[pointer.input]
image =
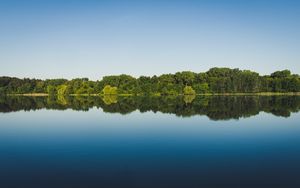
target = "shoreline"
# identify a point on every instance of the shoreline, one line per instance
(200, 94)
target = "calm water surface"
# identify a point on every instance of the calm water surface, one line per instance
(150, 142)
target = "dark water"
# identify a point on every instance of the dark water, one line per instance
(157, 142)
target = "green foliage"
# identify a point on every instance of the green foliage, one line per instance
(166, 91)
(188, 90)
(281, 74)
(109, 90)
(61, 90)
(39, 87)
(216, 80)
(201, 88)
(185, 78)
(51, 90)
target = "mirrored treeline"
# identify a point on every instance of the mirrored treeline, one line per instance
(214, 107)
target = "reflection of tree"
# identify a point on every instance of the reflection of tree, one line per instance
(189, 98)
(110, 99)
(215, 107)
(61, 99)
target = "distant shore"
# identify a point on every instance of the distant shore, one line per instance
(200, 94)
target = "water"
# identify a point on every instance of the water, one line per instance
(157, 142)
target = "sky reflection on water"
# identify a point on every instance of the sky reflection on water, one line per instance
(51, 148)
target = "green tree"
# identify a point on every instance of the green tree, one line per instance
(188, 90)
(281, 74)
(51, 90)
(61, 90)
(109, 90)
(201, 88)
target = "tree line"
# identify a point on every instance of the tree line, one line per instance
(216, 80)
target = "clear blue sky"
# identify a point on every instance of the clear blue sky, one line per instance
(71, 38)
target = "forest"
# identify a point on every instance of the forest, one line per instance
(216, 80)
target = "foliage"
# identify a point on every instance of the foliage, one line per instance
(201, 88)
(216, 80)
(188, 90)
(109, 90)
(61, 90)
(51, 90)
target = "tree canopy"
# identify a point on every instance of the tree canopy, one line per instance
(216, 80)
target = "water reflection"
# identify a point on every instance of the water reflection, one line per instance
(215, 107)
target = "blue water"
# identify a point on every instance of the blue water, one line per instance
(54, 148)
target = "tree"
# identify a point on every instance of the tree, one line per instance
(51, 90)
(188, 90)
(201, 88)
(108, 90)
(281, 74)
(61, 90)
(185, 77)
(250, 82)
(40, 87)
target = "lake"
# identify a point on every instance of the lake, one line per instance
(203, 141)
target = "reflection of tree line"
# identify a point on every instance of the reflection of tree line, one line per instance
(215, 107)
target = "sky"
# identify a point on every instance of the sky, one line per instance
(89, 38)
